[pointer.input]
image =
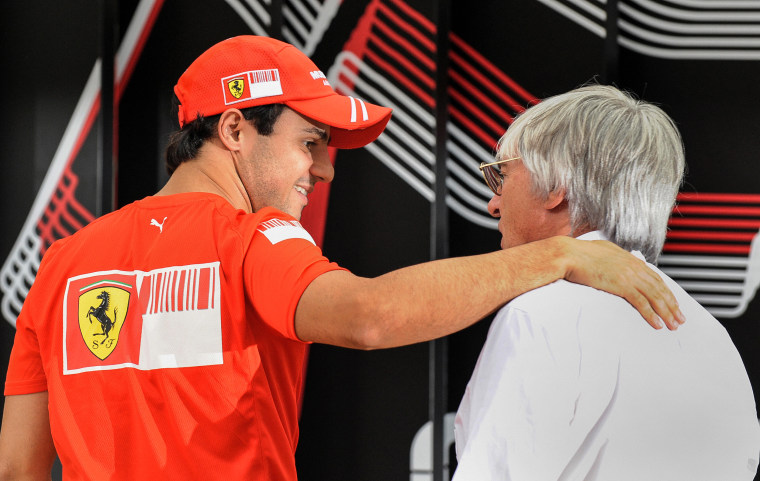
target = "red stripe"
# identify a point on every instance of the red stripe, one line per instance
(475, 55)
(181, 290)
(706, 248)
(475, 111)
(203, 288)
(718, 197)
(417, 16)
(485, 100)
(470, 125)
(717, 209)
(212, 287)
(719, 236)
(710, 222)
(492, 87)
(412, 87)
(403, 59)
(399, 23)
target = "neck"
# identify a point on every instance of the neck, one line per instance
(580, 231)
(209, 172)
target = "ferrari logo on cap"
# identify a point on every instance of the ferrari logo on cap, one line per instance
(102, 311)
(236, 87)
(251, 85)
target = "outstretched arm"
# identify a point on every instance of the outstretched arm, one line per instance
(26, 446)
(434, 299)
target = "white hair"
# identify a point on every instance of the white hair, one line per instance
(619, 160)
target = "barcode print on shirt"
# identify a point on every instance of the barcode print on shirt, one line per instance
(179, 289)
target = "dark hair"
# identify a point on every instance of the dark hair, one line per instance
(185, 143)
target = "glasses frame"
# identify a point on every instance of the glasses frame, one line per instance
(493, 176)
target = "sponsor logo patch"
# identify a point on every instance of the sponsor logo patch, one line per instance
(165, 318)
(254, 84)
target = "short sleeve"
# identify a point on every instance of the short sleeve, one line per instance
(25, 369)
(281, 261)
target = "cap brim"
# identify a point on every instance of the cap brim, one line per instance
(354, 123)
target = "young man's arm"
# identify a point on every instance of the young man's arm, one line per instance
(26, 446)
(434, 299)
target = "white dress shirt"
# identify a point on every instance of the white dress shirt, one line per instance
(572, 384)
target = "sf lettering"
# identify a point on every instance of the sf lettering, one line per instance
(107, 343)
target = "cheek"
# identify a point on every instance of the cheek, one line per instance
(516, 217)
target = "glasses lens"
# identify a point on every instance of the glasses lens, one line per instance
(493, 178)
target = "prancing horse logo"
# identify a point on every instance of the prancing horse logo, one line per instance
(102, 312)
(236, 87)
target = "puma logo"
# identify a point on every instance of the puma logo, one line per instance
(160, 226)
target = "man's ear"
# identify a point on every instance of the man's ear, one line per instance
(555, 199)
(228, 129)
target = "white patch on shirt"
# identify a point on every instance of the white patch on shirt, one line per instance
(278, 230)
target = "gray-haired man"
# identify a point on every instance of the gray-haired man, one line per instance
(569, 385)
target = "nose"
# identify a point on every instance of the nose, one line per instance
(322, 167)
(493, 206)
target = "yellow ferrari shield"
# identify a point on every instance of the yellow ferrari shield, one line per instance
(236, 87)
(102, 311)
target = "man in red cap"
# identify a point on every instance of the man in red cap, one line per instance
(166, 340)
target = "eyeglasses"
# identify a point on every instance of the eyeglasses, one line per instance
(492, 174)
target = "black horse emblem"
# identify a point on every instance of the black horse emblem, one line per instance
(100, 314)
(236, 86)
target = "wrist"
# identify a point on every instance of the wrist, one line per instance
(562, 255)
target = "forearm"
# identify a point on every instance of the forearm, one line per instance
(438, 298)
(8, 473)
(425, 301)
(26, 446)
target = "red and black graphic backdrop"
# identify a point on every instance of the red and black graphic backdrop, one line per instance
(365, 414)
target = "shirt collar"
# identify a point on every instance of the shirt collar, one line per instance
(599, 235)
(593, 235)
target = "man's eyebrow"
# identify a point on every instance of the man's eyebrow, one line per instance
(321, 133)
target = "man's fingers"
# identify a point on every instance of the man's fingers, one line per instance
(608, 267)
(649, 294)
(659, 300)
(644, 306)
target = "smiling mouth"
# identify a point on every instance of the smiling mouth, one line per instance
(301, 190)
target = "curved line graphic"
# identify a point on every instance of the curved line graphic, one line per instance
(715, 34)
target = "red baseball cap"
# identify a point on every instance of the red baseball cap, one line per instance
(247, 71)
